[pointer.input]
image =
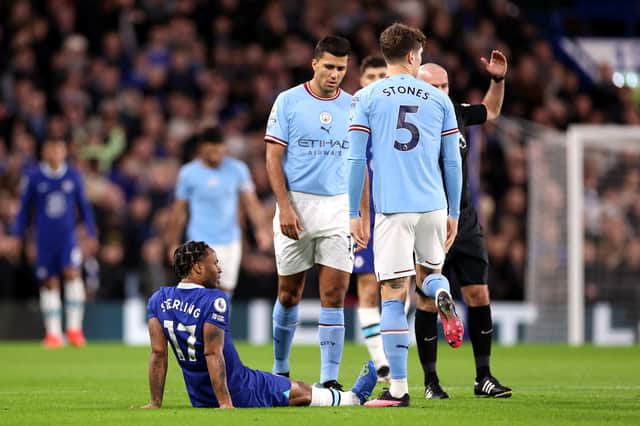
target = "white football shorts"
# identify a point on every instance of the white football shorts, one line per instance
(325, 239)
(398, 236)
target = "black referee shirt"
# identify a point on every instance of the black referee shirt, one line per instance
(467, 115)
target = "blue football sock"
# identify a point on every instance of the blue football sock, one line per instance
(395, 337)
(285, 321)
(331, 336)
(434, 282)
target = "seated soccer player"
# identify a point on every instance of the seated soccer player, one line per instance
(192, 316)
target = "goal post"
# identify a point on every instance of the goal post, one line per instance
(575, 235)
(608, 144)
(583, 230)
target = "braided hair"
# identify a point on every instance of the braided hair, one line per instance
(186, 255)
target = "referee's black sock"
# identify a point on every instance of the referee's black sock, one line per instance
(481, 333)
(427, 340)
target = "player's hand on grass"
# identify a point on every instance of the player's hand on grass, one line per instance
(290, 224)
(452, 231)
(496, 66)
(357, 232)
(148, 405)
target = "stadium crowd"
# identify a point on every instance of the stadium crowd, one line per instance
(130, 83)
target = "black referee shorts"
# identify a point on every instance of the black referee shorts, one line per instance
(468, 258)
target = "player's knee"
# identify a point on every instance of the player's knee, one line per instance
(476, 294)
(71, 273)
(368, 295)
(332, 297)
(288, 298)
(368, 300)
(51, 284)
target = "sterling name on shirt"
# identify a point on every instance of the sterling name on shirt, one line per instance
(179, 305)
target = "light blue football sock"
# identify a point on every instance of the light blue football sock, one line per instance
(285, 321)
(331, 336)
(434, 282)
(395, 337)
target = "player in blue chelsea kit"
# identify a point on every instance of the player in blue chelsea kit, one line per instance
(412, 126)
(193, 318)
(54, 191)
(307, 165)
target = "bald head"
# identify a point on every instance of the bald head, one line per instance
(435, 75)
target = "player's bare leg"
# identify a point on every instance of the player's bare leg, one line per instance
(51, 307)
(74, 298)
(369, 317)
(285, 319)
(333, 285)
(395, 338)
(476, 296)
(302, 394)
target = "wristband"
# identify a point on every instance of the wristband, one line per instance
(497, 79)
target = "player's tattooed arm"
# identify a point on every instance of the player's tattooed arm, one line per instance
(157, 363)
(213, 352)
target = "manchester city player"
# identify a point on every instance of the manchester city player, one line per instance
(217, 184)
(192, 317)
(53, 193)
(307, 165)
(372, 69)
(468, 256)
(412, 125)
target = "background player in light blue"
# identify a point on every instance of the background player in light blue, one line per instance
(209, 191)
(372, 69)
(412, 124)
(193, 318)
(307, 166)
(53, 192)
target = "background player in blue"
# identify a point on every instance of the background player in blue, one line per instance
(307, 166)
(412, 125)
(54, 194)
(193, 317)
(208, 191)
(468, 257)
(372, 69)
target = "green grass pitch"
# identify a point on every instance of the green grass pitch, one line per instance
(553, 385)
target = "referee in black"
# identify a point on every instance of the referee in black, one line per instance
(468, 257)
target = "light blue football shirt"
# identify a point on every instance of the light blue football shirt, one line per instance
(411, 124)
(314, 132)
(213, 197)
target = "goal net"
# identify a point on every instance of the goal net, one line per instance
(583, 231)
